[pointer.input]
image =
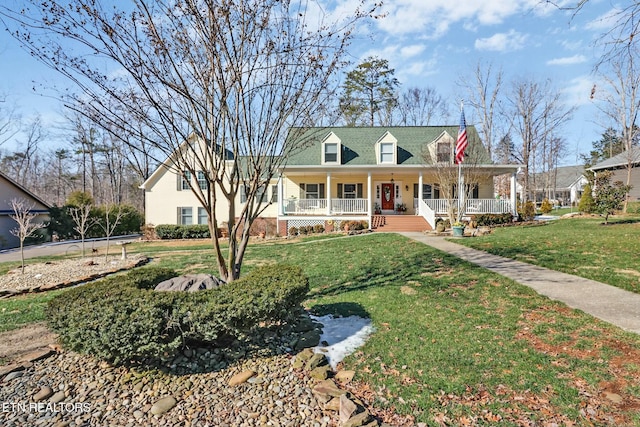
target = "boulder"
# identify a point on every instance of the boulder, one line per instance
(190, 283)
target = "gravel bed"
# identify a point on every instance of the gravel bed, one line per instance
(61, 271)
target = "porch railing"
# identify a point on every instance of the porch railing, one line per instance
(319, 206)
(472, 206)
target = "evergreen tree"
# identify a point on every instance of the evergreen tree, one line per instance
(369, 94)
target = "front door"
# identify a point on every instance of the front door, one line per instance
(387, 197)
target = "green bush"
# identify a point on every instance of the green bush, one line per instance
(194, 231)
(120, 319)
(545, 206)
(526, 211)
(493, 219)
(586, 204)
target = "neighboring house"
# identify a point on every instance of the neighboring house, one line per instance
(618, 165)
(10, 190)
(352, 173)
(563, 185)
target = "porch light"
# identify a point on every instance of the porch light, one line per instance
(392, 178)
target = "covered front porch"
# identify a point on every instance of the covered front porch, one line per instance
(360, 194)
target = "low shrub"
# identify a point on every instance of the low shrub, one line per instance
(493, 219)
(354, 225)
(526, 211)
(194, 231)
(122, 320)
(546, 206)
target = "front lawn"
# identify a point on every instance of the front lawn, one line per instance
(456, 344)
(581, 246)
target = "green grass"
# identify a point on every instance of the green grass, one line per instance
(456, 344)
(584, 247)
(22, 310)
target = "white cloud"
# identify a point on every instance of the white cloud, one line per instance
(605, 21)
(411, 51)
(502, 42)
(433, 18)
(568, 60)
(578, 91)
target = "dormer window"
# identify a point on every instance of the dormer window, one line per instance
(331, 149)
(331, 153)
(444, 152)
(386, 152)
(386, 149)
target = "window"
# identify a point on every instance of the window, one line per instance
(243, 194)
(312, 191)
(274, 194)
(349, 191)
(185, 216)
(427, 191)
(444, 152)
(330, 153)
(185, 179)
(261, 195)
(202, 215)
(202, 180)
(386, 152)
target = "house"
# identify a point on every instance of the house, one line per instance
(11, 190)
(564, 184)
(373, 174)
(618, 166)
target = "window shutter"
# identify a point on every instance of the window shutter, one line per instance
(339, 191)
(179, 220)
(303, 192)
(179, 181)
(321, 191)
(359, 191)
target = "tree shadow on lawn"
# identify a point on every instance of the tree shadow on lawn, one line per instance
(340, 309)
(378, 273)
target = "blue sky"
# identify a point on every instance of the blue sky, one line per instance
(431, 43)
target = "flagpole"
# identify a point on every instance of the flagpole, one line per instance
(459, 213)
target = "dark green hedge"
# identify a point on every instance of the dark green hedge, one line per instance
(121, 320)
(493, 219)
(169, 231)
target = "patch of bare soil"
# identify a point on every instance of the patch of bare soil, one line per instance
(19, 342)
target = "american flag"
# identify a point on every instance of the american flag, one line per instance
(462, 142)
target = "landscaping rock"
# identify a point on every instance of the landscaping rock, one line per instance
(163, 405)
(345, 377)
(240, 378)
(347, 408)
(358, 420)
(325, 390)
(44, 393)
(318, 359)
(321, 372)
(308, 339)
(190, 283)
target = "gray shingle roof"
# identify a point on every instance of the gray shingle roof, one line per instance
(565, 176)
(619, 160)
(358, 143)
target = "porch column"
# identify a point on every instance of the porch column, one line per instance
(280, 195)
(419, 191)
(328, 193)
(280, 202)
(514, 197)
(369, 198)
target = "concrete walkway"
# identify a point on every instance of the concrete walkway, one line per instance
(606, 302)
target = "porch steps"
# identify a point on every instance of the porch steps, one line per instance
(393, 223)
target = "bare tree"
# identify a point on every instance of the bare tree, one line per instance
(483, 94)
(9, 120)
(81, 216)
(216, 85)
(24, 216)
(113, 215)
(619, 101)
(536, 113)
(421, 107)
